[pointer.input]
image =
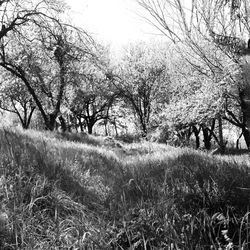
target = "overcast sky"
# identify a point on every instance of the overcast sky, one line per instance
(113, 21)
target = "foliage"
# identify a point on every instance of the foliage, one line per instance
(15, 99)
(93, 97)
(143, 83)
(199, 91)
(74, 191)
(43, 54)
(211, 39)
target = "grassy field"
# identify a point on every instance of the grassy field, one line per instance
(83, 192)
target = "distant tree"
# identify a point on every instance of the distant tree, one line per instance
(199, 97)
(143, 83)
(92, 101)
(14, 98)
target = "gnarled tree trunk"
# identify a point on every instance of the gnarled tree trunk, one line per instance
(245, 96)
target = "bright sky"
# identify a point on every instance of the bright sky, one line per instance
(113, 21)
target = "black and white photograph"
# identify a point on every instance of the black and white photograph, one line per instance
(124, 124)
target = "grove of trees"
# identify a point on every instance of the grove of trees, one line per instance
(211, 39)
(191, 88)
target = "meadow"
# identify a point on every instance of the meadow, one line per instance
(72, 191)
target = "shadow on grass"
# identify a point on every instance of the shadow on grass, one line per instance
(37, 156)
(151, 200)
(189, 197)
(235, 151)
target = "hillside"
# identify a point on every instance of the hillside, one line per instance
(84, 192)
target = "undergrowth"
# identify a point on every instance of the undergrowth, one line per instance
(72, 192)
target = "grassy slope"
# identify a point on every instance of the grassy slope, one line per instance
(72, 191)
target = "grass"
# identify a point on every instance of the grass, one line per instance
(83, 192)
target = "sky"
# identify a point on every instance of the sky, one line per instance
(115, 22)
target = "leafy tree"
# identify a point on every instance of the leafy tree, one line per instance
(14, 98)
(143, 83)
(93, 99)
(199, 96)
(43, 58)
(221, 24)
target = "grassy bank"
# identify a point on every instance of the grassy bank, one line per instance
(81, 192)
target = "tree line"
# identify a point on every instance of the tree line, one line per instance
(193, 85)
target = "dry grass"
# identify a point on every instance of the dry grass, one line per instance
(79, 192)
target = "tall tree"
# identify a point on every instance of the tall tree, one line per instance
(42, 55)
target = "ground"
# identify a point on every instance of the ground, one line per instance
(72, 191)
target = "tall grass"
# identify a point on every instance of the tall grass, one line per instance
(72, 192)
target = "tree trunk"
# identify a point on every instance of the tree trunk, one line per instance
(80, 124)
(25, 126)
(116, 131)
(63, 124)
(221, 140)
(197, 138)
(75, 123)
(238, 141)
(246, 132)
(90, 128)
(69, 123)
(246, 136)
(245, 99)
(30, 116)
(50, 122)
(105, 126)
(206, 138)
(144, 129)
